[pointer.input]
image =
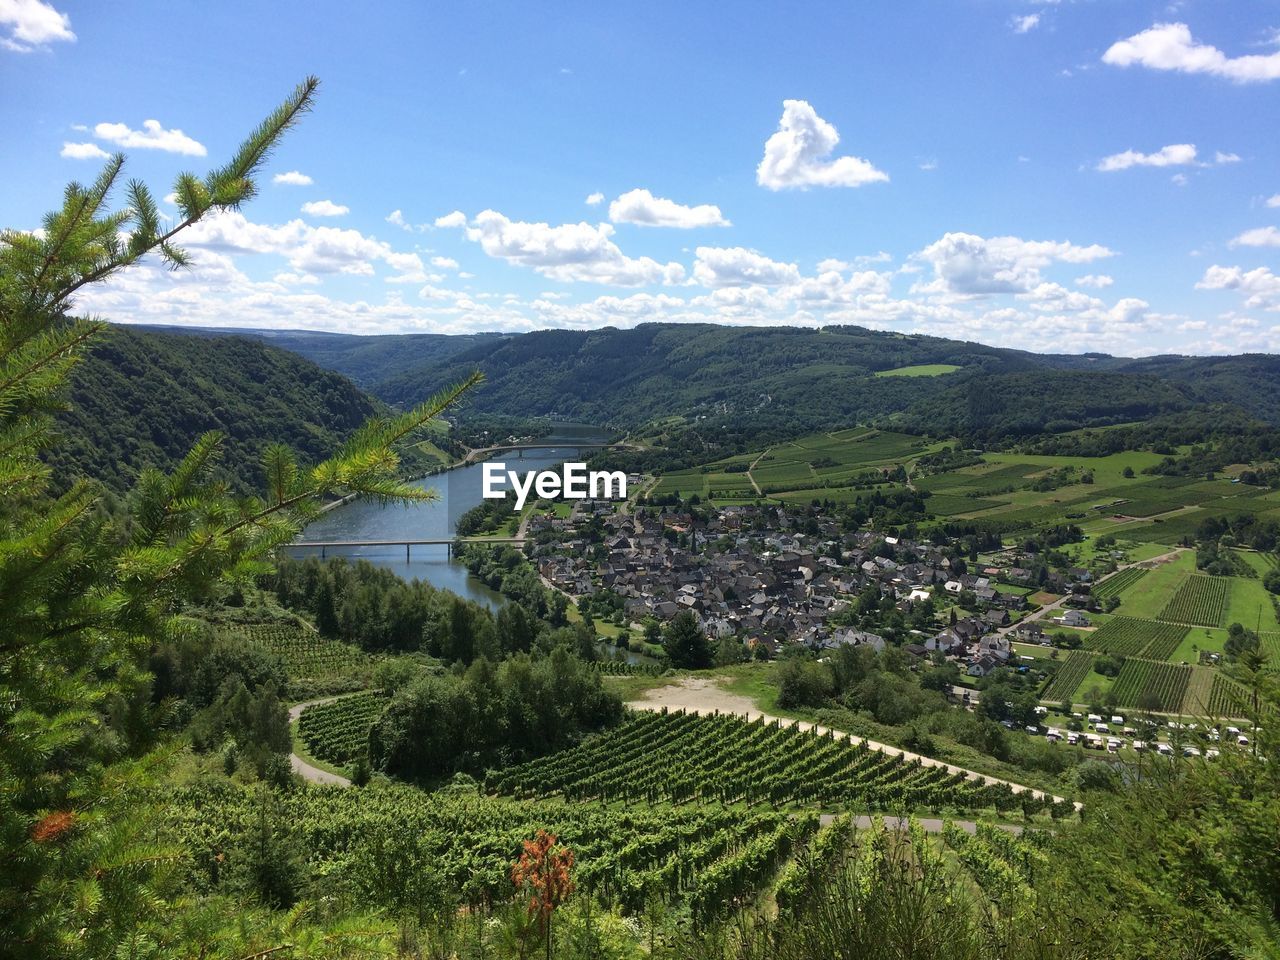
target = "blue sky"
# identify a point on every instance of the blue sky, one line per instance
(1062, 176)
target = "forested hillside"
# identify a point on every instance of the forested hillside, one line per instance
(626, 377)
(790, 380)
(140, 398)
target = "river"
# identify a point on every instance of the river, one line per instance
(459, 490)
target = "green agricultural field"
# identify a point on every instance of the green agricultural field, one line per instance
(1116, 584)
(1070, 675)
(1158, 588)
(1200, 600)
(920, 370)
(1126, 637)
(1271, 648)
(1249, 604)
(1151, 685)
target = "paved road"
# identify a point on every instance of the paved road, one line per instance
(704, 696)
(300, 766)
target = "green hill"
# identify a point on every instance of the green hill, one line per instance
(140, 398)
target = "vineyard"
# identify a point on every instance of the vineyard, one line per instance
(1270, 649)
(1118, 583)
(1002, 865)
(687, 758)
(621, 668)
(1151, 685)
(337, 732)
(1127, 637)
(707, 857)
(1200, 600)
(305, 654)
(1228, 698)
(1070, 675)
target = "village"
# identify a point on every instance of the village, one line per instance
(776, 577)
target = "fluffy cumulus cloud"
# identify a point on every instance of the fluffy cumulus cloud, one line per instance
(1260, 287)
(643, 208)
(1170, 46)
(739, 267)
(1258, 237)
(307, 249)
(324, 208)
(83, 151)
(967, 265)
(152, 136)
(29, 25)
(1025, 23)
(1273, 201)
(570, 252)
(1097, 280)
(292, 178)
(595, 199)
(799, 155)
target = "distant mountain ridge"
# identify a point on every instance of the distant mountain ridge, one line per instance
(791, 378)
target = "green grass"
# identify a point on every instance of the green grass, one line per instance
(1249, 604)
(920, 370)
(1158, 588)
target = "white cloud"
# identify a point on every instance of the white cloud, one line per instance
(82, 151)
(799, 154)
(396, 219)
(307, 249)
(595, 199)
(296, 279)
(738, 266)
(643, 208)
(152, 136)
(1179, 180)
(1258, 237)
(1260, 286)
(324, 208)
(927, 165)
(1097, 280)
(570, 252)
(1170, 46)
(444, 263)
(1274, 201)
(968, 265)
(292, 178)
(1053, 296)
(455, 219)
(32, 24)
(1176, 154)
(1025, 24)
(1220, 158)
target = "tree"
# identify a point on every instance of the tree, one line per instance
(84, 594)
(686, 643)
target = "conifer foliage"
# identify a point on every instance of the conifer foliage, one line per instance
(84, 594)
